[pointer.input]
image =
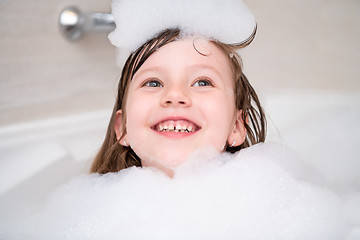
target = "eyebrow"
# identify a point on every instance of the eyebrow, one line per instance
(206, 67)
(194, 66)
(150, 69)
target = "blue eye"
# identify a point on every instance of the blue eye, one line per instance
(152, 83)
(203, 83)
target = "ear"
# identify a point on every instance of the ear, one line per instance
(118, 128)
(238, 134)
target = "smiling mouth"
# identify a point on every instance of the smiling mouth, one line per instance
(176, 126)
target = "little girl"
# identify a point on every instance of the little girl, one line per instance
(182, 89)
(178, 92)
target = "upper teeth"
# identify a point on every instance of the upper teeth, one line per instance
(176, 126)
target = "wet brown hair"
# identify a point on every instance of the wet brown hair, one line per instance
(113, 157)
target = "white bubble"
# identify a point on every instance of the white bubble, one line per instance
(258, 193)
(229, 21)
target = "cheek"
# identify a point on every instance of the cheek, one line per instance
(221, 118)
(221, 109)
(135, 117)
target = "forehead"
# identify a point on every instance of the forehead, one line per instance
(189, 52)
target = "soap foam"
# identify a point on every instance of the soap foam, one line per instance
(228, 21)
(249, 195)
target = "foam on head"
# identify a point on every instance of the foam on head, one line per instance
(228, 21)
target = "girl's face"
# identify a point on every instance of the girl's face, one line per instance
(179, 101)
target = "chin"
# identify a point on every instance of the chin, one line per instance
(171, 160)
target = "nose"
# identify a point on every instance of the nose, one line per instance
(176, 97)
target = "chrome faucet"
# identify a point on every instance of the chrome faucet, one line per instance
(74, 23)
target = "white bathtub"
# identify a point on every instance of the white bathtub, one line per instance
(321, 127)
(38, 156)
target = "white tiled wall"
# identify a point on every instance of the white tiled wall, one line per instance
(300, 44)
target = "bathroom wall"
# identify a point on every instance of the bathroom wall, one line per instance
(42, 75)
(305, 45)
(300, 45)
